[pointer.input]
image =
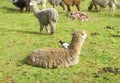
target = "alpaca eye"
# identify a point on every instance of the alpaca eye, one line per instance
(82, 34)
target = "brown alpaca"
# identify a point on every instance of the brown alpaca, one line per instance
(72, 3)
(58, 57)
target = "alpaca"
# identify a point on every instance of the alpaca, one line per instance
(58, 57)
(103, 4)
(57, 2)
(64, 45)
(72, 3)
(42, 2)
(21, 4)
(45, 17)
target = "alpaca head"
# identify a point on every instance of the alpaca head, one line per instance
(80, 34)
(65, 45)
(33, 3)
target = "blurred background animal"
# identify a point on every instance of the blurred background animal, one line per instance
(42, 2)
(69, 3)
(21, 4)
(103, 4)
(64, 44)
(57, 2)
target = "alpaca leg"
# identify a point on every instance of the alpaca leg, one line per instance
(62, 5)
(54, 6)
(68, 8)
(43, 6)
(41, 28)
(16, 9)
(93, 3)
(27, 9)
(47, 29)
(96, 9)
(111, 6)
(27, 5)
(21, 9)
(101, 9)
(78, 7)
(53, 27)
(90, 6)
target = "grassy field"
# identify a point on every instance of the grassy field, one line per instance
(99, 58)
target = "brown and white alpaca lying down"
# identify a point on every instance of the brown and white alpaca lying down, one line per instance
(58, 57)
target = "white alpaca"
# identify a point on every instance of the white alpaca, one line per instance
(42, 2)
(58, 57)
(46, 17)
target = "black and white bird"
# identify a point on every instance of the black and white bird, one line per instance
(64, 45)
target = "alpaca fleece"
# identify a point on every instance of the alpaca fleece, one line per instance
(45, 17)
(57, 2)
(58, 57)
(72, 3)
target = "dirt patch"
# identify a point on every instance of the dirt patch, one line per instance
(110, 27)
(95, 33)
(109, 69)
(116, 35)
(105, 70)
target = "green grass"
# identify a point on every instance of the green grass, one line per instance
(19, 37)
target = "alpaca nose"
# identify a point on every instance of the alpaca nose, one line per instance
(30, 4)
(85, 36)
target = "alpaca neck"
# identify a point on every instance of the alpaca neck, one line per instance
(75, 46)
(35, 9)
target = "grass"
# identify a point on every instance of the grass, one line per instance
(19, 37)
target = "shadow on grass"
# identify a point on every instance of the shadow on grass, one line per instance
(24, 32)
(7, 9)
(21, 62)
(20, 31)
(117, 15)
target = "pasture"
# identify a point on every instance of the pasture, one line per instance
(99, 58)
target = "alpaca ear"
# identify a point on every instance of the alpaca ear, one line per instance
(61, 42)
